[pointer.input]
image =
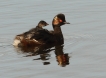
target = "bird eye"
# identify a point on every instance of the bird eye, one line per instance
(60, 20)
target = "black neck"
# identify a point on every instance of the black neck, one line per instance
(58, 34)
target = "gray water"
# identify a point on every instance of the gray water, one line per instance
(85, 38)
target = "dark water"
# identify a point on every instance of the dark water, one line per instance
(85, 38)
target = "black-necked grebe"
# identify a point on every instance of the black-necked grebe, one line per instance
(45, 37)
(27, 35)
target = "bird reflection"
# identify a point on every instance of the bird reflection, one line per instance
(44, 53)
(62, 58)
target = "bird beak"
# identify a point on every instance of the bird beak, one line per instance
(47, 24)
(66, 23)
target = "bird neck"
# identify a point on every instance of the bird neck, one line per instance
(57, 29)
(58, 34)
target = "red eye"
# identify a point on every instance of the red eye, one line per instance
(60, 20)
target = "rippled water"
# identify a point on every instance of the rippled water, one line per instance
(85, 38)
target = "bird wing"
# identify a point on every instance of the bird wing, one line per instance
(44, 36)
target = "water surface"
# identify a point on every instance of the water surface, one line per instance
(85, 38)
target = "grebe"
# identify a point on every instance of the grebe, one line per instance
(29, 34)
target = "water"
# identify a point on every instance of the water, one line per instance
(85, 38)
